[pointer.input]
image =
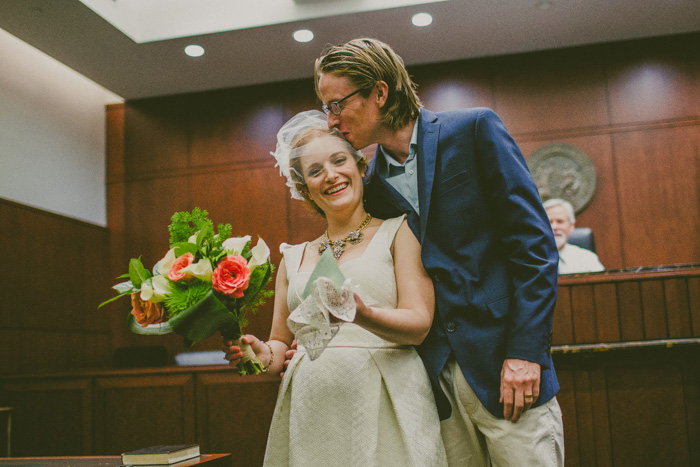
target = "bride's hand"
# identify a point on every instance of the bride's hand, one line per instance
(361, 310)
(234, 353)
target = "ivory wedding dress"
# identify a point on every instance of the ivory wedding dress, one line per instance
(364, 401)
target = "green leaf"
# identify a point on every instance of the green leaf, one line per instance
(184, 247)
(111, 300)
(137, 272)
(125, 287)
(205, 233)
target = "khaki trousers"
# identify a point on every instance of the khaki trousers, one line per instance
(474, 437)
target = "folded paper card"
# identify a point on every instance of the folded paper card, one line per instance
(327, 295)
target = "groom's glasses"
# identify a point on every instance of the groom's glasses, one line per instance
(334, 107)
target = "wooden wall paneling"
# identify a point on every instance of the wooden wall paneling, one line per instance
(585, 428)
(55, 282)
(234, 414)
(51, 417)
(155, 136)
(654, 310)
(116, 212)
(600, 417)
(13, 242)
(567, 402)
(601, 215)
(584, 314)
(677, 309)
(133, 412)
(11, 351)
(150, 204)
(606, 316)
(653, 79)
(115, 140)
(562, 322)
(691, 391)
(630, 305)
(648, 415)
(659, 205)
(454, 85)
(694, 303)
(235, 126)
(551, 90)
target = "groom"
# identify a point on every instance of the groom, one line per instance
(486, 243)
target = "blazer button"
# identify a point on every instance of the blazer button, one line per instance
(451, 327)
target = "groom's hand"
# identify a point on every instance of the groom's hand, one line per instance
(520, 387)
(288, 356)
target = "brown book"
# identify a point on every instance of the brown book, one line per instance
(161, 455)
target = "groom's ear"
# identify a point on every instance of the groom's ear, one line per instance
(382, 93)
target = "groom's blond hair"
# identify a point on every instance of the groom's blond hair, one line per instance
(365, 62)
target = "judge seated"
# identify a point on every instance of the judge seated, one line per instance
(572, 259)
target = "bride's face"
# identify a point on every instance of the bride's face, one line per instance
(331, 174)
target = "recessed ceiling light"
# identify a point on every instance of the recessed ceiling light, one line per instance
(194, 50)
(303, 35)
(421, 19)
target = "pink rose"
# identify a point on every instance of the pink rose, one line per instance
(183, 261)
(231, 276)
(146, 312)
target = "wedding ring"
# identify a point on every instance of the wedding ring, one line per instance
(528, 396)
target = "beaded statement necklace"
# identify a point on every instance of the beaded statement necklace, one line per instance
(338, 246)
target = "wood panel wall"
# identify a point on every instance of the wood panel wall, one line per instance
(633, 107)
(52, 279)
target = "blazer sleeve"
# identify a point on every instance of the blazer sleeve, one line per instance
(522, 228)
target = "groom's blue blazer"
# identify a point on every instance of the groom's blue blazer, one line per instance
(488, 246)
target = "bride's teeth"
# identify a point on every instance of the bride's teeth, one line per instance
(337, 189)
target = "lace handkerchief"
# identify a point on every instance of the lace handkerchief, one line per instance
(327, 294)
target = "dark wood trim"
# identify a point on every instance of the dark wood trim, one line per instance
(55, 215)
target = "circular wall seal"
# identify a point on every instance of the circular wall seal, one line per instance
(563, 171)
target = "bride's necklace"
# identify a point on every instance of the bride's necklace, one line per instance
(338, 246)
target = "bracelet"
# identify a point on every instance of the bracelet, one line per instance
(272, 358)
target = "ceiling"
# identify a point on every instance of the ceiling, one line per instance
(72, 33)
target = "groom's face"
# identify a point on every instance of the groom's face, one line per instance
(359, 116)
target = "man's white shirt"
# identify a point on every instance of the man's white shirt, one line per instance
(574, 259)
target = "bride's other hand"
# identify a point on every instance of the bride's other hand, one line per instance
(288, 355)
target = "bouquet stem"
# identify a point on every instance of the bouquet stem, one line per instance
(249, 364)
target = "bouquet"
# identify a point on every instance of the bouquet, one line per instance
(206, 282)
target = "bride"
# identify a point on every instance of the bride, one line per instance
(366, 399)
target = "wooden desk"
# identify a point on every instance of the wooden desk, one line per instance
(212, 460)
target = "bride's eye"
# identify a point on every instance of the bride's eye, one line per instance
(314, 172)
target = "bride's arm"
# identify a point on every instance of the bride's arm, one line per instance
(280, 336)
(410, 322)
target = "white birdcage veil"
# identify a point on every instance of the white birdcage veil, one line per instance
(284, 152)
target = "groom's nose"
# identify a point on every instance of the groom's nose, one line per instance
(333, 120)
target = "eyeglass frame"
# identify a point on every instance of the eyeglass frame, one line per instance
(329, 107)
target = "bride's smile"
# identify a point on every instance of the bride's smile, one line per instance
(331, 174)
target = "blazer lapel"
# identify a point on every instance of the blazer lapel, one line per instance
(428, 136)
(381, 189)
